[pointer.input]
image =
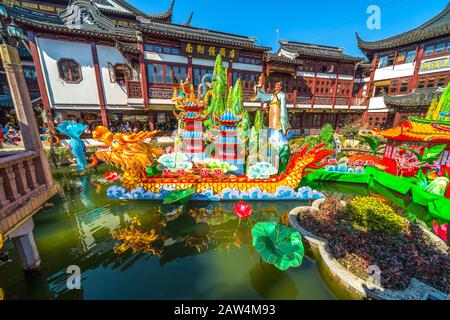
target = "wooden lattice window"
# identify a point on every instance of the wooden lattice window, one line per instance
(70, 71)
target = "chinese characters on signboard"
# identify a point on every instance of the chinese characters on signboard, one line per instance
(199, 50)
(434, 65)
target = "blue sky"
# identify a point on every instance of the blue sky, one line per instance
(328, 22)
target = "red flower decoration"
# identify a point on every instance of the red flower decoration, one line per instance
(111, 176)
(218, 173)
(441, 231)
(332, 161)
(181, 172)
(242, 210)
(167, 173)
(204, 173)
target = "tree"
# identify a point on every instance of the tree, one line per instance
(237, 97)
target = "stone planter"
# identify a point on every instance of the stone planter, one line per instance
(344, 283)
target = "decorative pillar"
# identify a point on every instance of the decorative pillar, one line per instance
(98, 78)
(25, 245)
(24, 111)
(21, 179)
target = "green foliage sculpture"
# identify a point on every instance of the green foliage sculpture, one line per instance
(372, 215)
(278, 245)
(373, 143)
(284, 156)
(219, 99)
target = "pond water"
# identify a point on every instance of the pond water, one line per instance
(201, 252)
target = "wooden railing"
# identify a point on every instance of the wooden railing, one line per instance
(19, 186)
(134, 89)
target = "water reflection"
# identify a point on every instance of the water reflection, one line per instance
(136, 250)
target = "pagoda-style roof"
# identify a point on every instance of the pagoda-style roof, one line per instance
(187, 32)
(433, 28)
(422, 97)
(228, 118)
(298, 50)
(418, 130)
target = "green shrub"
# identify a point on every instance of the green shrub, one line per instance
(350, 131)
(371, 214)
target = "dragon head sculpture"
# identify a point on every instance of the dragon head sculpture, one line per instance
(127, 151)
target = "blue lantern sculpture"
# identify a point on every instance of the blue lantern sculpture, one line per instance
(74, 131)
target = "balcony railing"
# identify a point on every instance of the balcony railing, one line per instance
(134, 89)
(20, 189)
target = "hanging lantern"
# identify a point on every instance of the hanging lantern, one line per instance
(16, 32)
(3, 12)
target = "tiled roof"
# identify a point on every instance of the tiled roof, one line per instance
(51, 23)
(191, 33)
(131, 10)
(284, 60)
(298, 50)
(419, 98)
(435, 27)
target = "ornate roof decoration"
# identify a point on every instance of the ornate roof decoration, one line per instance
(295, 50)
(189, 20)
(418, 98)
(81, 17)
(106, 6)
(433, 28)
(83, 14)
(182, 32)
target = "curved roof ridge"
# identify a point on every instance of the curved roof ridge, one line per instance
(436, 26)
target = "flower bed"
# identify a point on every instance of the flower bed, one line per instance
(401, 256)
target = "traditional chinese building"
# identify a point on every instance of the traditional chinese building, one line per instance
(406, 71)
(104, 60)
(322, 84)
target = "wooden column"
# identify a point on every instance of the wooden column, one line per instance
(333, 102)
(397, 119)
(294, 97)
(352, 87)
(313, 99)
(24, 111)
(42, 87)
(230, 74)
(189, 69)
(144, 76)
(98, 78)
(420, 53)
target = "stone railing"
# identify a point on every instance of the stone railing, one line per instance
(134, 89)
(19, 186)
